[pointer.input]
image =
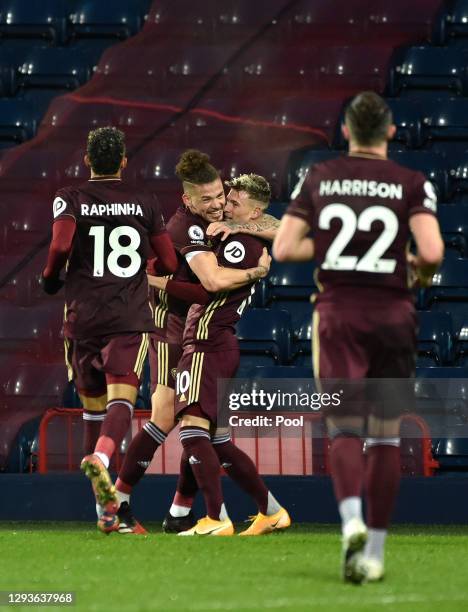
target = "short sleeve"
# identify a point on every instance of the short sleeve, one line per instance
(302, 203)
(158, 224)
(423, 197)
(63, 206)
(193, 238)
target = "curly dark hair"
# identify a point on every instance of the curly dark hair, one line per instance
(194, 167)
(106, 149)
(257, 187)
(368, 117)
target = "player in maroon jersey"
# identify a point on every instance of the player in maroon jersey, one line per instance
(203, 203)
(211, 353)
(103, 231)
(363, 209)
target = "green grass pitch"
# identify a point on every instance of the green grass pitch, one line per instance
(427, 569)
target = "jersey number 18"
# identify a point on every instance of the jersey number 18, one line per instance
(98, 232)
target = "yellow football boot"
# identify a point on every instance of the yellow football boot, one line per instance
(262, 524)
(210, 527)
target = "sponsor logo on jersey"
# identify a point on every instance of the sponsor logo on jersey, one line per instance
(59, 206)
(371, 189)
(114, 209)
(234, 252)
(430, 201)
(196, 233)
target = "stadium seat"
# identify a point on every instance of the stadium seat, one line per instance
(266, 334)
(300, 161)
(18, 121)
(302, 345)
(445, 120)
(324, 22)
(458, 181)
(452, 452)
(289, 287)
(95, 20)
(24, 226)
(282, 372)
(429, 69)
(50, 67)
(394, 23)
(277, 209)
(32, 332)
(449, 291)
(434, 166)
(8, 68)
(461, 346)
(435, 343)
(34, 19)
(441, 372)
(454, 23)
(453, 220)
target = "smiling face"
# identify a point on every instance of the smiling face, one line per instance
(241, 208)
(206, 200)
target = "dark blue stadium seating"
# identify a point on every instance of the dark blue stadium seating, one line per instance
(429, 69)
(435, 339)
(34, 19)
(449, 291)
(461, 346)
(302, 346)
(289, 287)
(18, 120)
(453, 220)
(94, 19)
(53, 67)
(265, 334)
(454, 23)
(445, 120)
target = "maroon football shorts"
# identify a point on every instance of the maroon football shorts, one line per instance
(197, 379)
(163, 360)
(368, 344)
(89, 360)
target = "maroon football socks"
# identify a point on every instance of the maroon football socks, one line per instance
(114, 426)
(205, 465)
(139, 456)
(347, 466)
(382, 483)
(241, 469)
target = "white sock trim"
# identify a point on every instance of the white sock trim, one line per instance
(124, 402)
(104, 458)
(179, 511)
(382, 442)
(350, 508)
(273, 505)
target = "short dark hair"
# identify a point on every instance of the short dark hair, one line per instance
(194, 167)
(256, 186)
(106, 149)
(368, 118)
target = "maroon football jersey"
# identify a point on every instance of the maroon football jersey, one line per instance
(358, 208)
(106, 289)
(188, 233)
(212, 327)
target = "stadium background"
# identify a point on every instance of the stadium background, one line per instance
(261, 87)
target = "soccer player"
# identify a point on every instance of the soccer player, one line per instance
(363, 209)
(211, 352)
(198, 273)
(101, 232)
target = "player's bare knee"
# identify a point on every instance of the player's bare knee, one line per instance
(378, 428)
(189, 420)
(121, 391)
(349, 426)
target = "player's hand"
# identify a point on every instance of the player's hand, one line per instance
(418, 279)
(265, 261)
(158, 282)
(220, 228)
(51, 285)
